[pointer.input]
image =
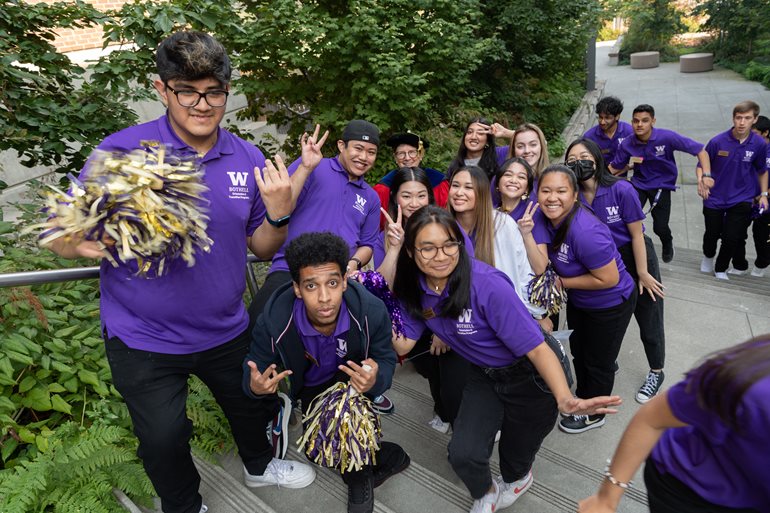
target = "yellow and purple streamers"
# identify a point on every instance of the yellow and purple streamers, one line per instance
(151, 203)
(342, 430)
(545, 292)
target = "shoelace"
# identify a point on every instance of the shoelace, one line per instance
(650, 384)
(278, 469)
(578, 418)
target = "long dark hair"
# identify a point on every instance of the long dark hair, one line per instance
(602, 174)
(721, 381)
(407, 286)
(483, 231)
(561, 232)
(402, 176)
(488, 161)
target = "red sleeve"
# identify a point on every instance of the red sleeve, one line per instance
(441, 193)
(383, 191)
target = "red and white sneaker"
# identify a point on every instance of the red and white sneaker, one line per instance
(510, 492)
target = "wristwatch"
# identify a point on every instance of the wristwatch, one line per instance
(278, 223)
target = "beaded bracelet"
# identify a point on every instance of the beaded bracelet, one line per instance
(612, 479)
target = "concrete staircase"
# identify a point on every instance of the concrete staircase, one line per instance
(702, 315)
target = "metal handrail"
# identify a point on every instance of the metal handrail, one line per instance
(88, 273)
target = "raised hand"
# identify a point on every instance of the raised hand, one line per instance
(263, 383)
(499, 130)
(527, 222)
(274, 187)
(362, 377)
(395, 231)
(311, 147)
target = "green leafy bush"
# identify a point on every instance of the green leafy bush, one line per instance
(652, 24)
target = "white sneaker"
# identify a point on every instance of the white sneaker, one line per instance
(439, 425)
(757, 272)
(509, 492)
(204, 508)
(707, 265)
(497, 436)
(737, 272)
(285, 473)
(488, 503)
(721, 276)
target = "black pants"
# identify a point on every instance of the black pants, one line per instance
(517, 403)
(660, 214)
(273, 282)
(154, 386)
(595, 344)
(761, 232)
(446, 375)
(667, 494)
(648, 313)
(731, 225)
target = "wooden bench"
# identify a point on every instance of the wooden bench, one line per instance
(696, 62)
(644, 60)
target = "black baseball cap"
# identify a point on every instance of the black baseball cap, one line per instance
(360, 130)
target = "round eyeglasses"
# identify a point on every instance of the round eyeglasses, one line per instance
(450, 249)
(191, 97)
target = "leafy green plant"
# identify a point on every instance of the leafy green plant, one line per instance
(652, 24)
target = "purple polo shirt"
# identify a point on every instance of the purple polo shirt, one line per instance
(735, 167)
(494, 331)
(657, 169)
(190, 309)
(589, 246)
(540, 229)
(325, 353)
(502, 154)
(617, 206)
(379, 247)
(330, 202)
(609, 146)
(721, 465)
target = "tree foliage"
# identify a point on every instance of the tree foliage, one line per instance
(652, 24)
(740, 31)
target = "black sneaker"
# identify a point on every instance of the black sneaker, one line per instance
(391, 459)
(668, 251)
(616, 367)
(580, 423)
(383, 405)
(650, 387)
(360, 491)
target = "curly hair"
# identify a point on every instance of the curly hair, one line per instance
(609, 105)
(316, 248)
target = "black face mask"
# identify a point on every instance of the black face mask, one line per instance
(583, 169)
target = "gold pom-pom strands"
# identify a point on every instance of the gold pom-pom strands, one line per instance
(150, 203)
(342, 430)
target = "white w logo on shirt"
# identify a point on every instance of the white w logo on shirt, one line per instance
(613, 211)
(238, 179)
(466, 315)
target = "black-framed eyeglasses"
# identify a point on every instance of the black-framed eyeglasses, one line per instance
(191, 97)
(450, 249)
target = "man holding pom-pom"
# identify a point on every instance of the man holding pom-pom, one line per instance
(191, 319)
(321, 330)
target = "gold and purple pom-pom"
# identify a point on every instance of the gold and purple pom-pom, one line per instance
(544, 292)
(342, 430)
(149, 202)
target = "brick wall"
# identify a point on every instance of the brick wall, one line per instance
(69, 40)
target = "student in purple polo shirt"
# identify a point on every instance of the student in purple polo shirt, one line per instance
(610, 131)
(192, 320)
(529, 143)
(515, 383)
(650, 153)
(704, 440)
(601, 293)
(616, 204)
(738, 175)
(760, 229)
(477, 148)
(322, 329)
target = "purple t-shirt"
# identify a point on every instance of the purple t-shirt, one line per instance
(735, 167)
(609, 146)
(654, 164)
(502, 154)
(494, 331)
(617, 206)
(190, 309)
(325, 353)
(721, 465)
(540, 229)
(588, 246)
(330, 202)
(379, 247)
